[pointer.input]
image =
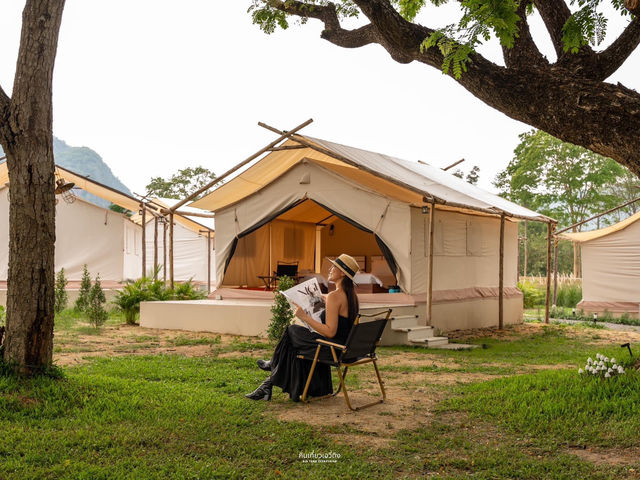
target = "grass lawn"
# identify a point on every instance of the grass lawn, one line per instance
(137, 403)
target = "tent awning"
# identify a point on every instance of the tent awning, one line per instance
(581, 237)
(403, 180)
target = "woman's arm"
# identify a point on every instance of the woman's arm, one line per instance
(330, 327)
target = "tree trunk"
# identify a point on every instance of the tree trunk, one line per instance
(26, 135)
(30, 286)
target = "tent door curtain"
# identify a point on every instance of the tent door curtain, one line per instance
(255, 251)
(388, 256)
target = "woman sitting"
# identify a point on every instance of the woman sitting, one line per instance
(290, 372)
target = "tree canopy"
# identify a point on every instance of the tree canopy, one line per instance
(565, 181)
(567, 97)
(181, 184)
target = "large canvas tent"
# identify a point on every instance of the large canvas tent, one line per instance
(106, 241)
(610, 267)
(286, 205)
(110, 243)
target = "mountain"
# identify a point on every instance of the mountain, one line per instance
(86, 162)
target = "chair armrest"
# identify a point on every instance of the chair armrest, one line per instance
(331, 344)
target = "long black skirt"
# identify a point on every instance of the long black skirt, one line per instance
(290, 373)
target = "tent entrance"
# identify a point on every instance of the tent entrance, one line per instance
(307, 233)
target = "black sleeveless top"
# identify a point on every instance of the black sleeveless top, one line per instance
(344, 327)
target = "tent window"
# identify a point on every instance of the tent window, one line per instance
(135, 243)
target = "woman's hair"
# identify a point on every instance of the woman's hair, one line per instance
(352, 298)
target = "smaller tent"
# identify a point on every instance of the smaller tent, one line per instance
(193, 247)
(610, 267)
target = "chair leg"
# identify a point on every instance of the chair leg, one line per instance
(346, 369)
(313, 367)
(346, 395)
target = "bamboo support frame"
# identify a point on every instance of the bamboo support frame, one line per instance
(550, 228)
(155, 245)
(432, 211)
(171, 251)
(241, 164)
(144, 239)
(555, 271)
(501, 276)
(164, 251)
(208, 261)
(597, 216)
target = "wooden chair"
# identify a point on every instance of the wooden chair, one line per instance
(359, 349)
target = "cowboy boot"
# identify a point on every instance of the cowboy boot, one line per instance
(264, 365)
(263, 392)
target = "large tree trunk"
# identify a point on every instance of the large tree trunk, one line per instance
(30, 295)
(26, 135)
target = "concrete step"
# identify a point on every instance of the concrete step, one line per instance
(430, 341)
(405, 321)
(419, 332)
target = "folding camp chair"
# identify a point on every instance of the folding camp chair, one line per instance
(360, 348)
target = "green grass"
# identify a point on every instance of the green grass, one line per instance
(559, 407)
(168, 416)
(157, 417)
(182, 340)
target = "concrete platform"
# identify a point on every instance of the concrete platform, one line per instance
(232, 314)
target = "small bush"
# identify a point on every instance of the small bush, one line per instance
(187, 291)
(95, 310)
(149, 289)
(61, 297)
(532, 295)
(568, 295)
(281, 312)
(82, 301)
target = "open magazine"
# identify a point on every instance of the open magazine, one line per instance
(308, 296)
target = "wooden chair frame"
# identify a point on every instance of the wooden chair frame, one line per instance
(339, 363)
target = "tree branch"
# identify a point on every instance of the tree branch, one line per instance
(333, 31)
(608, 61)
(4, 99)
(524, 52)
(555, 14)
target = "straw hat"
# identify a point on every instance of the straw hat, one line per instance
(346, 264)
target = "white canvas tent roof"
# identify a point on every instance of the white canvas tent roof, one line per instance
(410, 182)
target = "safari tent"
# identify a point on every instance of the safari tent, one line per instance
(610, 267)
(439, 236)
(108, 242)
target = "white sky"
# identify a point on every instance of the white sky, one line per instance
(158, 85)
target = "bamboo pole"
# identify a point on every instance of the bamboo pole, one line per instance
(240, 165)
(597, 216)
(164, 251)
(155, 246)
(144, 239)
(526, 259)
(432, 211)
(555, 271)
(501, 276)
(171, 251)
(550, 228)
(208, 261)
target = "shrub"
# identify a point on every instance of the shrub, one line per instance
(187, 291)
(569, 295)
(95, 310)
(532, 295)
(61, 297)
(281, 312)
(85, 290)
(149, 289)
